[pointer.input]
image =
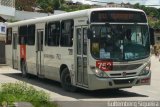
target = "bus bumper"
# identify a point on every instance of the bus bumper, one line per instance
(97, 83)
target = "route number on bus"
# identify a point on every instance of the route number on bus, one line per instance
(104, 65)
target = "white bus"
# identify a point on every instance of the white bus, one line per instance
(101, 48)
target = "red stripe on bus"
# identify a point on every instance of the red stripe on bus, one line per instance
(23, 52)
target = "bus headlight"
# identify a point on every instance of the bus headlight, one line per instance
(100, 73)
(145, 70)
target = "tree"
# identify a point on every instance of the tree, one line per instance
(45, 5)
(26, 5)
(153, 15)
(49, 5)
(61, 2)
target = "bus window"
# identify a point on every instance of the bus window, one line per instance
(79, 46)
(46, 34)
(23, 35)
(53, 34)
(9, 36)
(84, 41)
(31, 35)
(67, 33)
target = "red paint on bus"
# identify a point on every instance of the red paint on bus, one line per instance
(23, 52)
(105, 65)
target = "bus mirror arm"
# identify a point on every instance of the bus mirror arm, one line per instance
(89, 33)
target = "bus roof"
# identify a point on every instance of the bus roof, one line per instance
(69, 15)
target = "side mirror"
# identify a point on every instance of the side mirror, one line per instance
(89, 33)
(151, 31)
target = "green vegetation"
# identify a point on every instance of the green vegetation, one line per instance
(153, 15)
(49, 5)
(21, 92)
(70, 8)
(27, 5)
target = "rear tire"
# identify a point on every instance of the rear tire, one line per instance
(24, 69)
(66, 81)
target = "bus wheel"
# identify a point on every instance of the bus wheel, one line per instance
(24, 69)
(66, 81)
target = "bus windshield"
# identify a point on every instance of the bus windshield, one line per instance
(120, 42)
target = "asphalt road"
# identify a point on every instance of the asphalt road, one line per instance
(91, 98)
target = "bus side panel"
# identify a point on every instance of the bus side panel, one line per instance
(54, 57)
(8, 51)
(31, 59)
(51, 63)
(9, 56)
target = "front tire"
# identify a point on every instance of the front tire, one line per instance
(66, 81)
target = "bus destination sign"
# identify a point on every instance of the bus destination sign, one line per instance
(118, 16)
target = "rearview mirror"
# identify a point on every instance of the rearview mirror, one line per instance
(89, 33)
(151, 31)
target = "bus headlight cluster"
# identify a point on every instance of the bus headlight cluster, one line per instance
(145, 70)
(100, 73)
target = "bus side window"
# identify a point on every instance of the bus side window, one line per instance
(9, 36)
(31, 35)
(23, 35)
(67, 27)
(46, 34)
(53, 33)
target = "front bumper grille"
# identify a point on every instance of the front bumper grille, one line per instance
(125, 67)
(128, 74)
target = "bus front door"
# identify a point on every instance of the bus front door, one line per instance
(14, 48)
(81, 60)
(39, 53)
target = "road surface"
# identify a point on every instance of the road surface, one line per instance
(93, 98)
